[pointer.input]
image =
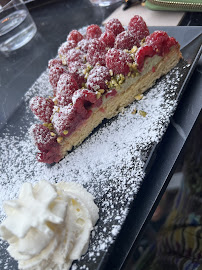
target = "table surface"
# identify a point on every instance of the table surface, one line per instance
(20, 69)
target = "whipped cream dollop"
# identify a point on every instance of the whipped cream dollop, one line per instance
(49, 226)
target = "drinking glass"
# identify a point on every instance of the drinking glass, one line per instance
(104, 3)
(16, 25)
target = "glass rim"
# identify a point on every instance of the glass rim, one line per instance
(6, 6)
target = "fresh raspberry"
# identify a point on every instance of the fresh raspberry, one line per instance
(65, 47)
(138, 27)
(76, 69)
(54, 62)
(42, 137)
(83, 100)
(96, 52)
(118, 61)
(115, 26)
(52, 156)
(93, 31)
(83, 45)
(159, 40)
(64, 120)
(125, 40)
(75, 55)
(108, 38)
(66, 86)
(75, 35)
(42, 107)
(54, 75)
(97, 78)
(172, 42)
(70, 116)
(142, 52)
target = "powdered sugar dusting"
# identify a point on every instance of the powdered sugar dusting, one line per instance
(109, 163)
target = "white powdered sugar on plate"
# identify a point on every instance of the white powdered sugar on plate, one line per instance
(110, 163)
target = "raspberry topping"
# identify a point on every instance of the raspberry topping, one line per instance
(76, 69)
(115, 26)
(54, 75)
(51, 156)
(138, 27)
(75, 35)
(96, 52)
(93, 31)
(83, 99)
(42, 136)
(159, 42)
(66, 46)
(47, 144)
(108, 38)
(172, 42)
(42, 107)
(118, 61)
(97, 78)
(142, 52)
(75, 55)
(83, 45)
(64, 119)
(67, 85)
(54, 62)
(125, 40)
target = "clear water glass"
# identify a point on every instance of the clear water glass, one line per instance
(104, 3)
(16, 25)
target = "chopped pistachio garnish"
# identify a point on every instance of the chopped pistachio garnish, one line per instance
(133, 67)
(52, 134)
(98, 95)
(65, 132)
(134, 111)
(142, 113)
(122, 77)
(50, 125)
(142, 42)
(134, 49)
(87, 70)
(89, 67)
(59, 139)
(45, 124)
(129, 74)
(114, 82)
(64, 62)
(101, 91)
(139, 97)
(118, 77)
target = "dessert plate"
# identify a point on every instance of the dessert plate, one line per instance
(117, 163)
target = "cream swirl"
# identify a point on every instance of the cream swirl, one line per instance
(49, 226)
